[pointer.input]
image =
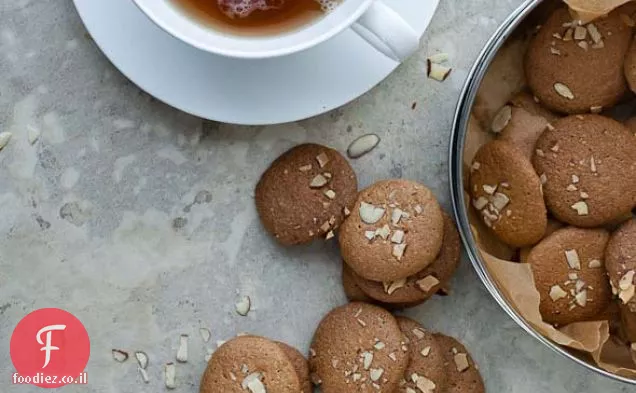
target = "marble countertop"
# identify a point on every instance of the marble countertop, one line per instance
(139, 219)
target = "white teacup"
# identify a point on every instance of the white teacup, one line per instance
(378, 24)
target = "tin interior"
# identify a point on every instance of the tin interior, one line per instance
(524, 18)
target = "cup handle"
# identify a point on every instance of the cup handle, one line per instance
(387, 31)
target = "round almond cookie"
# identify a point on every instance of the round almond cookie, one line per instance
(395, 230)
(300, 365)
(578, 69)
(620, 262)
(305, 193)
(569, 275)
(462, 373)
(426, 370)
(587, 164)
(420, 287)
(250, 363)
(630, 67)
(358, 347)
(507, 192)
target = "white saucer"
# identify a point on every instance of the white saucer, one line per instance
(241, 91)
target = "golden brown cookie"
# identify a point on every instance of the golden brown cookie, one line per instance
(588, 165)
(578, 69)
(527, 101)
(630, 67)
(620, 262)
(358, 345)
(305, 193)
(462, 373)
(421, 286)
(426, 369)
(250, 363)
(570, 276)
(507, 192)
(395, 230)
(300, 365)
(520, 128)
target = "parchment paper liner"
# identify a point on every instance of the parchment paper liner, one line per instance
(588, 10)
(505, 77)
(616, 358)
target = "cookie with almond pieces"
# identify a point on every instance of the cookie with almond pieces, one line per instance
(358, 347)
(484, 237)
(250, 363)
(305, 193)
(620, 262)
(462, 373)
(569, 274)
(395, 230)
(418, 288)
(578, 69)
(588, 166)
(506, 191)
(426, 371)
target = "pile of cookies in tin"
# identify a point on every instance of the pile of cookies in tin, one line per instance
(399, 249)
(558, 182)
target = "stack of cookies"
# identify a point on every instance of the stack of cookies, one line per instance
(398, 246)
(399, 249)
(356, 348)
(558, 183)
(363, 348)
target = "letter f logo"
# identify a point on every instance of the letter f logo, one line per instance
(48, 347)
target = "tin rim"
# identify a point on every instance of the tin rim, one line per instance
(456, 149)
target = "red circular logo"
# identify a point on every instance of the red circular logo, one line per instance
(50, 348)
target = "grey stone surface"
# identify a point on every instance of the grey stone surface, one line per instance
(139, 219)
